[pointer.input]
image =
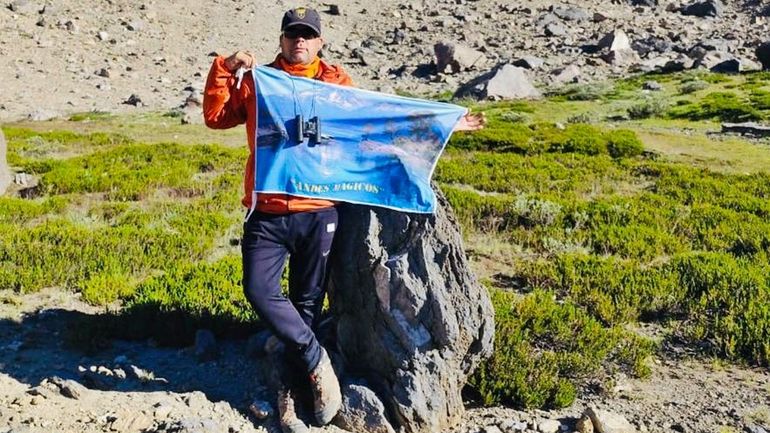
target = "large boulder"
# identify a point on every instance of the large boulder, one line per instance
(456, 57)
(648, 3)
(616, 40)
(5, 171)
(411, 318)
(503, 82)
(570, 13)
(703, 8)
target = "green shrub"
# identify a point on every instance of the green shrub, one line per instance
(582, 138)
(545, 349)
(532, 212)
(724, 106)
(585, 92)
(650, 107)
(715, 78)
(730, 304)
(91, 116)
(514, 117)
(106, 287)
(692, 87)
(170, 307)
(623, 143)
(501, 137)
(760, 99)
(580, 118)
(21, 211)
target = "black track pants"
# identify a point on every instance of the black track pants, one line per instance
(307, 238)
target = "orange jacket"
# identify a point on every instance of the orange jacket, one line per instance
(224, 107)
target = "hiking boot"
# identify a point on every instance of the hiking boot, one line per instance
(287, 413)
(327, 397)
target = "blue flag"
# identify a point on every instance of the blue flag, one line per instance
(339, 143)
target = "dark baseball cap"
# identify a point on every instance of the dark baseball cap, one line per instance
(302, 17)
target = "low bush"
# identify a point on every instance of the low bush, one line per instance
(189, 296)
(650, 107)
(583, 139)
(91, 116)
(585, 92)
(722, 106)
(729, 304)
(760, 99)
(692, 87)
(622, 143)
(545, 349)
(498, 136)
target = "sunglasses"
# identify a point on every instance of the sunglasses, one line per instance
(301, 32)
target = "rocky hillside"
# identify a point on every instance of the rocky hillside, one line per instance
(117, 55)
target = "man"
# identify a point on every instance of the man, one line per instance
(282, 225)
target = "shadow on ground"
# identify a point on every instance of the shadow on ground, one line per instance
(80, 346)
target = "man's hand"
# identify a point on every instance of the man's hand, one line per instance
(471, 122)
(240, 59)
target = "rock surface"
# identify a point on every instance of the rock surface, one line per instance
(504, 82)
(121, 56)
(411, 317)
(608, 422)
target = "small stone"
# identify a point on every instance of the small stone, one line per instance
(457, 57)
(334, 9)
(133, 100)
(103, 36)
(763, 55)
(608, 422)
(652, 86)
(68, 388)
(568, 74)
(555, 29)
(42, 115)
(103, 72)
(135, 26)
(71, 26)
(584, 425)
(128, 422)
(260, 409)
(162, 410)
(140, 374)
(753, 428)
(529, 62)
(548, 426)
(23, 7)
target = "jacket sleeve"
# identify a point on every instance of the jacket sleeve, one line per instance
(223, 104)
(342, 77)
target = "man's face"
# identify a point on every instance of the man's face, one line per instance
(300, 45)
